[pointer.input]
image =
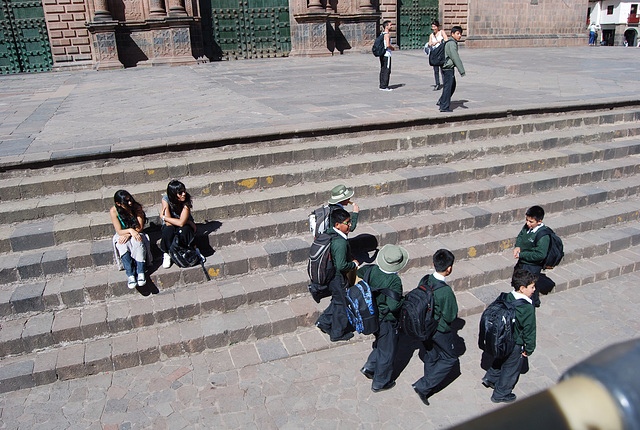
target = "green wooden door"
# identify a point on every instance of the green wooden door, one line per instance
(415, 17)
(24, 43)
(251, 28)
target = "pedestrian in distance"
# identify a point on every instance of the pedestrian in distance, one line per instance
(177, 220)
(437, 37)
(384, 276)
(504, 373)
(385, 60)
(130, 244)
(452, 61)
(334, 321)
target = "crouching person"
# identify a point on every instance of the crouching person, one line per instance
(384, 280)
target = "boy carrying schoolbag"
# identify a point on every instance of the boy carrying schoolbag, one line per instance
(537, 247)
(387, 288)
(320, 219)
(504, 372)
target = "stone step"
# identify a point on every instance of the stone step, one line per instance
(237, 186)
(93, 176)
(233, 210)
(484, 255)
(152, 344)
(279, 239)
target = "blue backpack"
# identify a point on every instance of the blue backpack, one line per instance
(362, 308)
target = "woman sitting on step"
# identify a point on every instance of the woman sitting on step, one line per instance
(131, 246)
(177, 220)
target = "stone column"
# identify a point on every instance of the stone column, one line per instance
(157, 9)
(101, 11)
(176, 8)
(366, 6)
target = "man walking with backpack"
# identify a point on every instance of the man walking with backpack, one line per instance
(334, 320)
(384, 280)
(452, 60)
(504, 372)
(320, 219)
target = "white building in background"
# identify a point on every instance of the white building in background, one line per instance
(617, 20)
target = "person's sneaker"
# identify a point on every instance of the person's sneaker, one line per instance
(166, 261)
(131, 282)
(142, 280)
(387, 386)
(509, 398)
(488, 383)
(367, 373)
(386, 89)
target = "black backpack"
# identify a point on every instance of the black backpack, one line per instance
(378, 46)
(183, 255)
(436, 56)
(319, 220)
(416, 315)
(556, 248)
(320, 266)
(362, 306)
(497, 325)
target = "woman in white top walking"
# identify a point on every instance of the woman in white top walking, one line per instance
(435, 39)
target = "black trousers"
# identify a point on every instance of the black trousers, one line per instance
(448, 88)
(380, 361)
(385, 71)
(439, 356)
(334, 319)
(504, 374)
(168, 232)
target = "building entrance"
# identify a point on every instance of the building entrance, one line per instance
(415, 17)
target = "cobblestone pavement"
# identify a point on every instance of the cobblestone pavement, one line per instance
(67, 114)
(231, 388)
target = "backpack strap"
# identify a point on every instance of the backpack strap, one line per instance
(542, 232)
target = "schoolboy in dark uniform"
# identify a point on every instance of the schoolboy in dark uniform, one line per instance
(439, 353)
(503, 375)
(340, 198)
(379, 366)
(334, 320)
(530, 254)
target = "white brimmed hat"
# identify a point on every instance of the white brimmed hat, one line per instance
(392, 258)
(339, 194)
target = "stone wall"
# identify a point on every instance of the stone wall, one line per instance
(69, 37)
(517, 23)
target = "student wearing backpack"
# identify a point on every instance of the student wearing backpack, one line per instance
(384, 275)
(437, 37)
(385, 60)
(452, 60)
(334, 320)
(320, 219)
(503, 374)
(529, 252)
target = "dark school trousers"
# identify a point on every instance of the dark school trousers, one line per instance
(504, 374)
(385, 71)
(439, 357)
(334, 319)
(380, 361)
(448, 88)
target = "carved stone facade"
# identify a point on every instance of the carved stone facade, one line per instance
(324, 27)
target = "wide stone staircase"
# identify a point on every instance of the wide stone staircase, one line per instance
(65, 309)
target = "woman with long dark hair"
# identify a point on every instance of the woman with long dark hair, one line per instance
(176, 220)
(437, 37)
(131, 245)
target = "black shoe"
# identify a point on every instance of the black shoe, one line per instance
(438, 103)
(436, 87)
(509, 398)
(346, 336)
(387, 386)
(446, 110)
(423, 397)
(367, 373)
(488, 383)
(323, 329)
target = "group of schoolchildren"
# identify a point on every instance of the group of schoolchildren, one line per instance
(392, 347)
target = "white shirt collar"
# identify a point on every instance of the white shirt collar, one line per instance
(438, 276)
(537, 227)
(341, 233)
(518, 295)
